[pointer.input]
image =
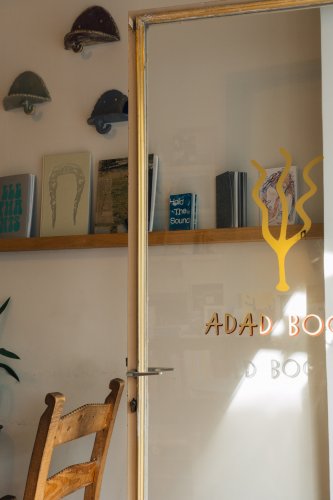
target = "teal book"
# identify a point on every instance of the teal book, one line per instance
(16, 205)
(183, 211)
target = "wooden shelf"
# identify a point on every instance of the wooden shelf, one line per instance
(64, 242)
(199, 236)
(228, 235)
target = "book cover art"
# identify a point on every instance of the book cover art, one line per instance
(16, 205)
(66, 186)
(111, 213)
(269, 195)
(182, 212)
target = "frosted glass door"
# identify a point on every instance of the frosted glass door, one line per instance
(243, 415)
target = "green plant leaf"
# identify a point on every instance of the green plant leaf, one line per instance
(4, 305)
(10, 371)
(9, 354)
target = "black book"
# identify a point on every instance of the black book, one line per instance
(225, 216)
(231, 199)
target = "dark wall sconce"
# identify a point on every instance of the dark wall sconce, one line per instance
(110, 108)
(94, 25)
(27, 90)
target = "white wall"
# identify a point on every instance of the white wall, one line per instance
(67, 318)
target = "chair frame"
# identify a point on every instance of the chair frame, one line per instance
(54, 430)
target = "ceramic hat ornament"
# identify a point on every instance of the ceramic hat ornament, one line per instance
(27, 90)
(94, 25)
(110, 108)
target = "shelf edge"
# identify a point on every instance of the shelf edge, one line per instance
(226, 235)
(158, 238)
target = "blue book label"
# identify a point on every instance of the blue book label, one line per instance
(181, 214)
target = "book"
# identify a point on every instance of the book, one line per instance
(269, 195)
(16, 205)
(231, 199)
(66, 193)
(242, 199)
(111, 212)
(183, 212)
(152, 187)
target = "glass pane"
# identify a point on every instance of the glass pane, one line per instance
(242, 415)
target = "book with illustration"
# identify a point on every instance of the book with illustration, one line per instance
(269, 195)
(16, 205)
(66, 192)
(111, 213)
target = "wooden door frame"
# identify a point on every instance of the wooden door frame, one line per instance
(137, 237)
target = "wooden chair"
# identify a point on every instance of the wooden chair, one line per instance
(54, 430)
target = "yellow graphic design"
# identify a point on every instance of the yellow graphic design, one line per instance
(282, 244)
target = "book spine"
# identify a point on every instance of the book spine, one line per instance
(152, 186)
(195, 209)
(150, 190)
(225, 200)
(242, 199)
(194, 214)
(236, 200)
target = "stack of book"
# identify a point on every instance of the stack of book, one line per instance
(183, 213)
(231, 199)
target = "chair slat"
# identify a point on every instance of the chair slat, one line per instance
(81, 422)
(69, 480)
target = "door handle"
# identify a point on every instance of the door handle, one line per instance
(151, 371)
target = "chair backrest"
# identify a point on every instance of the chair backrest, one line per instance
(54, 430)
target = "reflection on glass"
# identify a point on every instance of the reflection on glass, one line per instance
(241, 417)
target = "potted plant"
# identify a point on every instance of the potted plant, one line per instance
(8, 354)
